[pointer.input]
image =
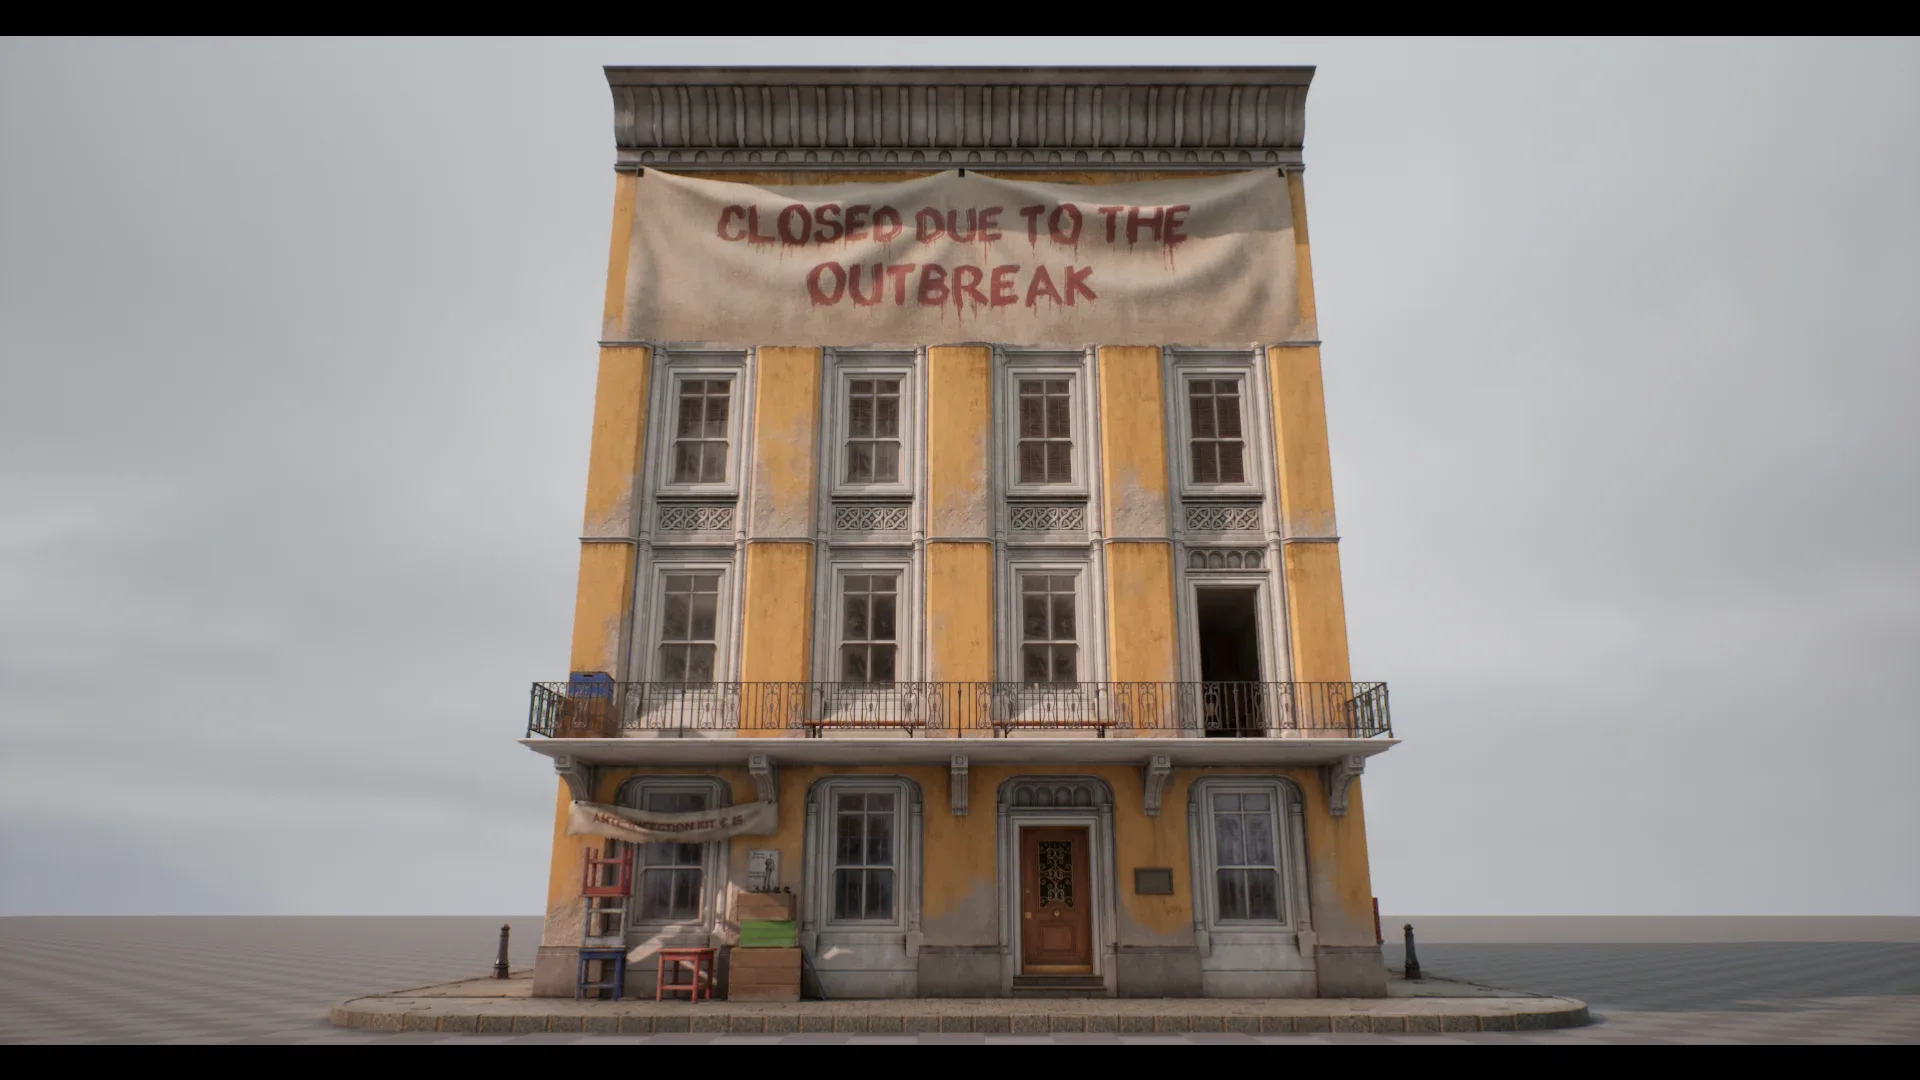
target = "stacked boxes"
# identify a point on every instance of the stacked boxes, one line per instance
(765, 965)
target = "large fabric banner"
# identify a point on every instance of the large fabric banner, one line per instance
(964, 257)
(646, 827)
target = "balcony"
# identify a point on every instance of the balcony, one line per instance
(588, 709)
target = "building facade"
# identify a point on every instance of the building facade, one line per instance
(1033, 644)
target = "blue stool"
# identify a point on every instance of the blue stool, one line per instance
(613, 973)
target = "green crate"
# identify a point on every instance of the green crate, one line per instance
(767, 934)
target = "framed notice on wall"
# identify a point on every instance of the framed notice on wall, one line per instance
(763, 871)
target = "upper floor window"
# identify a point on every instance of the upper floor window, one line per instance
(1216, 446)
(869, 607)
(700, 431)
(689, 628)
(873, 431)
(1049, 630)
(1045, 450)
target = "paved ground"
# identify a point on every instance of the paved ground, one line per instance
(272, 980)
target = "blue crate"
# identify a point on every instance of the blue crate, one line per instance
(613, 974)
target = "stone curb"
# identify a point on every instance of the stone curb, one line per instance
(1368, 1017)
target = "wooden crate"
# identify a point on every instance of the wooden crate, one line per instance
(763, 974)
(764, 906)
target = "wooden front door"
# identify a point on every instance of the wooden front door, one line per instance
(1056, 904)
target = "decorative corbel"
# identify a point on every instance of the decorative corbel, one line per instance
(1339, 775)
(761, 769)
(578, 775)
(1159, 770)
(957, 784)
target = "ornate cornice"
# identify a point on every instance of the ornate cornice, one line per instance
(1005, 119)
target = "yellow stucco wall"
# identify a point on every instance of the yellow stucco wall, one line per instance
(960, 612)
(776, 624)
(786, 421)
(959, 430)
(1133, 442)
(1140, 626)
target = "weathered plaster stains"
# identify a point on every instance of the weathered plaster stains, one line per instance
(786, 422)
(1302, 257)
(1300, 433)
(619, 428)
(1140, 613)
(1133, 441)
(959, 422)
(1316, 612)
(960, 612)
(1340, 887)
(779, 608)
(602, 606)
(613, 318)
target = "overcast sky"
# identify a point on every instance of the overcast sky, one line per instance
(296, 372)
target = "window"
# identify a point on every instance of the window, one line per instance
(873, 431)
(1246, 854)
(700, 432)
(863, 855)
(1215, 445)
(1045, 450)
(1049, 633)
(689, 621)
(672, 874)
(868, 608)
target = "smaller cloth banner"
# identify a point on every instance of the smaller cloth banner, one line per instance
(646, 827)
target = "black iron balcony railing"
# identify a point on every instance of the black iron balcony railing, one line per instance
(587, 708)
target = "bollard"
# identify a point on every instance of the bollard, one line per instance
(500, 963)
(1413, 961)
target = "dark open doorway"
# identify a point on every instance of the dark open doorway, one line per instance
(1233, 701)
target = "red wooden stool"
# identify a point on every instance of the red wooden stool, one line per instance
(702, 961)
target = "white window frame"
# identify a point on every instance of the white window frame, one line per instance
(843, 367)
(1273, 663)
(675, 370)
(713, 876)
(705, 711)
(817, 917)
(865, 707)
(1290, 856)
(1239, 367)
(1018, 366)
(1089, 633)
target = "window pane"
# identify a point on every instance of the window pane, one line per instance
(861, 387)
(853, 663)
(1063, 618)
(1065, 669)
(673, 663)
(1033, 617)
(656, 894)
(1256, 801)
(882, 616)
(1032, 413)
(1056, 387)
(1059, 462)
(674, 619)
(691, 412)
(880, 800)
(854, 628)
(1231, 470)
(716, 419)
(1061, 583)
(1227, 409)
(859, 462)
(713, 469)
(1200, 409)
(846, 894)
(1226, 802)
(882, 663)
(1227, 848)
(886, 461)
(1059, 425)
(686, 462)
(1259, 831)
(703, 616)
(849, 840)
(1205, 466)
(886, 418)
(1263, 894)
(860, 416)
(851, 803)
(699, 663)
(879, 839)
(1033, 463)
(879, 894)
(1033, 664)
(1231, 891)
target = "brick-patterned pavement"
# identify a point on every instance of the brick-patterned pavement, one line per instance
(272, 980)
